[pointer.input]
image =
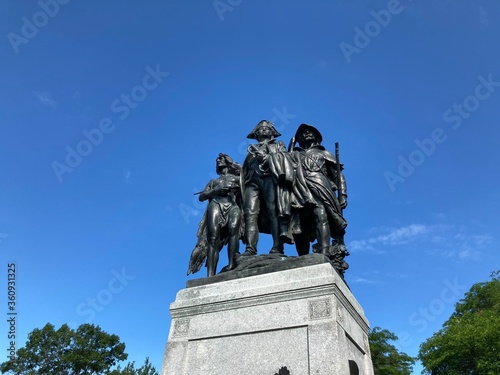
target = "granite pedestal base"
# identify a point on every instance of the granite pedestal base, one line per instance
(301, 321)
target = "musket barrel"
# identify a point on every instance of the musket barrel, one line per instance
(339, 178)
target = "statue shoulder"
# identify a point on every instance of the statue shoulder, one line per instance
(212, 184)
(233, 178)
(329, 157)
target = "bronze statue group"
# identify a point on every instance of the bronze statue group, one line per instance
(296, 195)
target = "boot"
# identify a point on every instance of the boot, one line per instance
(277, 250)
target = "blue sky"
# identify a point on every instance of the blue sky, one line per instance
(113, 114)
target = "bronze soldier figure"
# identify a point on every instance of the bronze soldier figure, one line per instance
(314, 195)
(267, 178)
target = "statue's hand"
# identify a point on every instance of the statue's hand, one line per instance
(343, 202)
(261, 155)
(223, 190)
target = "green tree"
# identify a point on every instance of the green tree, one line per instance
(469, 342)
(387, 360)
(146, 369)
(88, 350)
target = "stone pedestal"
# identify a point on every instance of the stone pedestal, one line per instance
(305, 319)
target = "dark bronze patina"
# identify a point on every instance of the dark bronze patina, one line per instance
(296, 195)
(267, 178)
(320, 194)
(221, 223)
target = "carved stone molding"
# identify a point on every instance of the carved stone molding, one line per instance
(181, 327)
(320, 309)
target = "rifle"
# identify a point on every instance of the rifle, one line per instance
(339, 178)
(291, 144)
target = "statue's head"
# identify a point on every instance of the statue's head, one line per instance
(308, 134)
(264, 130)
(226, 161)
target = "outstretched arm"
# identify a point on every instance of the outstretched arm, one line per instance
(209, 192)
(213, 190)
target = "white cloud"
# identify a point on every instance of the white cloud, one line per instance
(469, 254)
(361, 280)
(482, 240)
(396, 236)
(127, 173)
(396, 275)
(401, 235)
(45, 98)
(447, 241)
(457, 243)
(376, 277)
(360, 246)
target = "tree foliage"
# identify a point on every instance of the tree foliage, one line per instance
(469, 342)
(88, 350)
(386, 358)
(146, 369)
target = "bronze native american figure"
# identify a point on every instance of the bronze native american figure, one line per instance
(222, 222)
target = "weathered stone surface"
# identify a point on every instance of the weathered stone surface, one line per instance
(304, 319)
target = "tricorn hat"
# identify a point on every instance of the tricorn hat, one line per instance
(253, 133)
(315, 131)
